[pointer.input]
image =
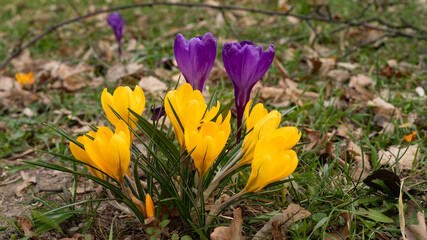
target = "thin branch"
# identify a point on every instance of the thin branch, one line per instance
(358, 47)
(391, 31)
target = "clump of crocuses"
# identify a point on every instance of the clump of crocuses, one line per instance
(117, 23)
(189, 164)
(195, 58)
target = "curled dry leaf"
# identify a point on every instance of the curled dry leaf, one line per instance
(360, 80)
(77, 236)
(26, 226)
(315, 139)
(382, 107)
(362, 166)
(233, 232)
(118, 71)
(283, 72)
(344, 231)
(416, 223)
(152, 85)
(404, 155)
(339, 75)
(6, 86)
(290, 215)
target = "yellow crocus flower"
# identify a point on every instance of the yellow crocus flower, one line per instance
(81, 155)
(123, 99)
(272, 159)
(108, 151)
(149, 206)
(25, 79)
(259, 122)
(190, 107)
(207, 141)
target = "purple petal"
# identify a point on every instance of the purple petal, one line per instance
(195, 58)
(116, 22)
(245, 65)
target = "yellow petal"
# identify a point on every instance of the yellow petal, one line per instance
(149, 206)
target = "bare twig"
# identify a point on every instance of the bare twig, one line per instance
(358, 47)
(392, 31)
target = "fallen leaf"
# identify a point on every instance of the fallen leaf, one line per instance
(283, 72)
(404, 155)
(363, 166)
(76, 236)
(23, 62)
(344, 231)
(339, 75)
(118, 71)
(152, 85)
(383, 107)
(6, 85)
(233, 232)
(315, 139)
(420, 91)
(293, 213)
(26, 226)
(418, 230)
(360, 80)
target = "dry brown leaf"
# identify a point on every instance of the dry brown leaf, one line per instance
(162, 73)
(344, 231)
(415, 231)
(233, 232)
(283, 72)
(282, 6)
(360, 80)
(26, 226)
(23, 62)
(76, 236)
(217, 74)
(382, 107)
(348, 66)
(405, 156)
(314, 138)
(363, 166)
(118, 71)
(290, 215)
(339, 75)
(6, 85)
(152, 85)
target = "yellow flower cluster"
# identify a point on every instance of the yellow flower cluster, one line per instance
(267, 148)
(194, 126)
(107, 151)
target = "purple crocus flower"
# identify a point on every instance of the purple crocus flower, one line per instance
(116, 22)
(245, 65)
(195, 58)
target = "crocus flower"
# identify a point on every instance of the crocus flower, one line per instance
(195, 58)
(207, 141)
(116, 22)
(149, 206)
(81, 155)
(123, 99)
(107, 151)
(25, 79)
(245, 65)
(190, 108)
(272, 160)
(259, 123)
